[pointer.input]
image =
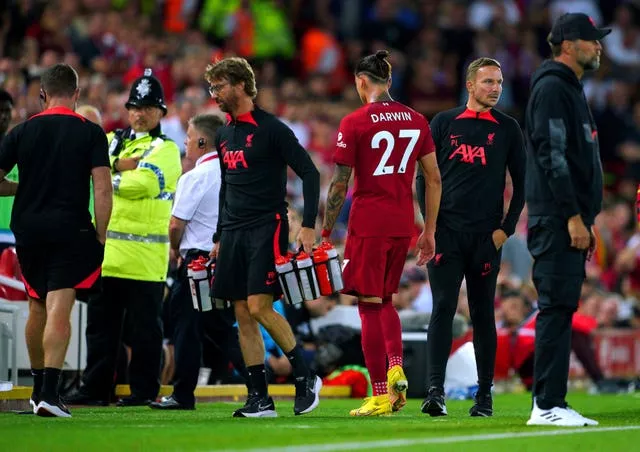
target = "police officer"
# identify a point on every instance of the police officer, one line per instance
(193, 222)
(145, 168)
(564, 195)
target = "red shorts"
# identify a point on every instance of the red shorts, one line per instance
(373, 265)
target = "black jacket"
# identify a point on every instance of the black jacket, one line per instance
(564, 173)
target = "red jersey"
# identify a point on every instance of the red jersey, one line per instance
(382, 141)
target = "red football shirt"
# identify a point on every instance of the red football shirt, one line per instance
(382, 141)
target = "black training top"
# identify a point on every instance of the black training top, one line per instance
(474, 151)
(564, 173)
(55, 152)
(255, 149)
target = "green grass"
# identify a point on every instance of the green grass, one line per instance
(210, 427)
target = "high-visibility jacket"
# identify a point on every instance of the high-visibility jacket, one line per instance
(137, 244)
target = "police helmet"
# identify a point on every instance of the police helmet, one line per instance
(147, 91)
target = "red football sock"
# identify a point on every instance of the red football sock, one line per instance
(392, 331)
(373, 345)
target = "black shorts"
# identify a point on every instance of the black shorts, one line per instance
(67, 265)
(246, 261)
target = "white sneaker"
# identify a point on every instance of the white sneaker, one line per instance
(585, 419)
(559, 417)
(51, 409)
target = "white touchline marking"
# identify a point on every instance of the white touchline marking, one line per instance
(442, 440)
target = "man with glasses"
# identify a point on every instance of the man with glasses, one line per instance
(255, 149)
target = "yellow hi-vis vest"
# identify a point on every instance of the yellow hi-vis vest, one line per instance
(138, 235)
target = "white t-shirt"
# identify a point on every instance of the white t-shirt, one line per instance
(196, 202)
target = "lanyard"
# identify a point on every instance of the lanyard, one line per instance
(211, 157)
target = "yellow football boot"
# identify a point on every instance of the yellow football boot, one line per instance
(397, 385)
(374, 406)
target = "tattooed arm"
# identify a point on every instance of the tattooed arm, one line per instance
(336, 196)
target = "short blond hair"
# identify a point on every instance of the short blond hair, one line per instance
(475, 65)
(91, 113)
(235, 70)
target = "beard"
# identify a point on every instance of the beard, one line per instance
(592, 64)
(229, 104)
(589, 64)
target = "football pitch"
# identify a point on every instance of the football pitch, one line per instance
(328, 428)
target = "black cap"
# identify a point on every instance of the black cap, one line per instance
(147, 91)
(572, 26)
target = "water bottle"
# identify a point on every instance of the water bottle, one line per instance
(288, 280)
(308, 281)
(334, 266)
(219, 303)
(200, 286)
(322, 271)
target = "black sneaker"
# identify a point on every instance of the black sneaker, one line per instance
(50, 408)
(133, 401)
(81, 397)
(434, 404)
(483, 406)
(257, 406)
(307, 395)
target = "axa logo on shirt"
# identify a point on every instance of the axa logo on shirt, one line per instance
(468, 154)
(340, 143)
(232, 159)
